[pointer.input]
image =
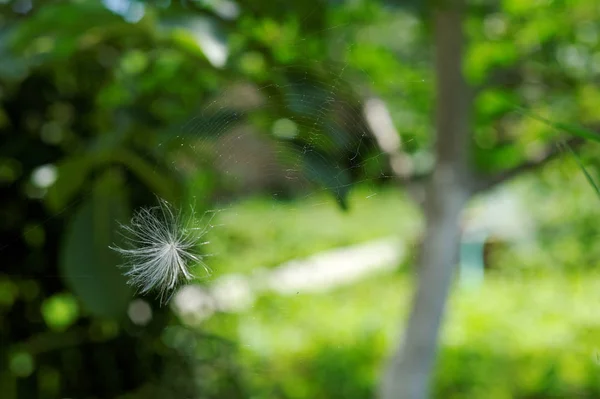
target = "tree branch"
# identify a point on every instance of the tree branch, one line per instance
(483, 183)
(409, 371)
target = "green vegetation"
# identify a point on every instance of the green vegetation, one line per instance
(259, 232)
(533, 337)
(256, 109)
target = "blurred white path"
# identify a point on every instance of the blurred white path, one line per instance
(318, 273)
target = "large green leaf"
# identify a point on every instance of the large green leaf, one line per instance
(56, 30)
(88, 265)
(72, 173)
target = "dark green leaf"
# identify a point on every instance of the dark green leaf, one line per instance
(326, 173)
(159, 183)
(88, 265)
(72, 174)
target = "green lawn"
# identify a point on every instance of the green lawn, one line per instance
(260, 232)
(536, 336)
(508, 339)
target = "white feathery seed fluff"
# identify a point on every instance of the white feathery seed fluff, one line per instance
(162, 248)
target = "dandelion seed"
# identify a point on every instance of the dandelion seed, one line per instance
(162, 249)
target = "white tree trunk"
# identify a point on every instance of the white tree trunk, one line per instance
(408, 375)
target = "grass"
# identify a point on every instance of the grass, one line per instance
(505, 336)
(509, 315)
(505, 315)
(537, 335)
(262, 233)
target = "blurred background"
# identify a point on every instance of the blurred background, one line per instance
(300, 133)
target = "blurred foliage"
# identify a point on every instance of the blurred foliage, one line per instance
(243, 242)
(104, 105)
(534, 337)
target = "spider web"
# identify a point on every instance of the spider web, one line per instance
(310, 136)
(294, 144)
(307, 139)
(313, 132)
(313, 135)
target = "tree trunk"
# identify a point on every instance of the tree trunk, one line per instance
(409, 372)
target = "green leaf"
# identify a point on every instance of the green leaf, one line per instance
(498, 158)
(72, 173)
(568, 128)
(157, 182)
(584, 170)
(88, 265)
(12, 67)
(62, 26)
(494, 103)
(482, 57)
(199, 33)
(326, 173)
